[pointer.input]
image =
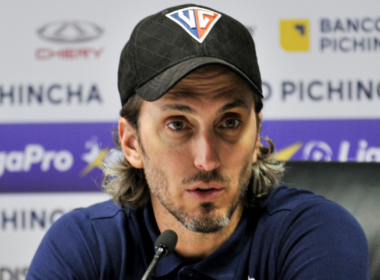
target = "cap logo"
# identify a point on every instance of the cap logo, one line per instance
(197, 22)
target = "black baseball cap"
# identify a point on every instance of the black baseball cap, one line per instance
(167, 46)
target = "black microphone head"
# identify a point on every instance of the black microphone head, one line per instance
(167, 240)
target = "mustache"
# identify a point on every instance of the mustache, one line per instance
(206, 177)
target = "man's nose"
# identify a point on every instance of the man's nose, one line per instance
(206, 155)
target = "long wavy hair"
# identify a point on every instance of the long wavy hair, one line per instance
(128, 186)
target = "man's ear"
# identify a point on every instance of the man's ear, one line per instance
(257, 144)
(129, 143)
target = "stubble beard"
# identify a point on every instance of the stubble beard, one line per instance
(209, 220)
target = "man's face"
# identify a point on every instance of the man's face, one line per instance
(198, 143)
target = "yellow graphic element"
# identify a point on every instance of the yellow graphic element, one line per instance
(96, 163)
(295, 35)
(288, 152)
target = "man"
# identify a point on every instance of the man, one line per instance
(192, 162)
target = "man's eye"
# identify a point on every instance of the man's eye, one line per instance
(231, 123)
(177, 125)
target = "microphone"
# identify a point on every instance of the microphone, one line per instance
(164, 246)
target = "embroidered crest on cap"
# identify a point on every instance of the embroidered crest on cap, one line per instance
(198, 22)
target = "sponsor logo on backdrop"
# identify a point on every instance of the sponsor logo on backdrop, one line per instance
(317, 150)
(13, 273)
(52, 157)
(288, 152)
(349, 34)
(324, 90)
(94, 157)
(340, 34)
(31, 219)
(68, 53)
(295, 35)
(35, 155)
(55, 94)
(197, 22)
(69, 32)
(361, 151)
(65, 31)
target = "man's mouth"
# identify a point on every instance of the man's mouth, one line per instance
(204, 190)
(205, 193)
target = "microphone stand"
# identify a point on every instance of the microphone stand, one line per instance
(160, 252)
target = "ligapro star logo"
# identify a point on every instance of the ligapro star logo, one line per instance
(197, 22)
(94, 157)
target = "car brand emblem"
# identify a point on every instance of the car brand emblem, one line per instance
(197, 22)
(66, 31)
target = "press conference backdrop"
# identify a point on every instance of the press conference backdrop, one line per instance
(59, 100)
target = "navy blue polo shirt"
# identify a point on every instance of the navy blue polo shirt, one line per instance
(294, 234)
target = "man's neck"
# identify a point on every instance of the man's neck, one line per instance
(195, 245)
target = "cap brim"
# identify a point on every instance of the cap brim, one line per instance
(163, 82)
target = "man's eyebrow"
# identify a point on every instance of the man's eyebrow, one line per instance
(235, 104)
(177, 107)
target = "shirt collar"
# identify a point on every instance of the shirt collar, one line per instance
(223, 263)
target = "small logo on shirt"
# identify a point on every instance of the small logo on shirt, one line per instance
(249, 278)
(196, 21)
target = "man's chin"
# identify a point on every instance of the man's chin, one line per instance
(205, 219)
(207, 224)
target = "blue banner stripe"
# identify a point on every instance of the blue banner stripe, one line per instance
(66, 157)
